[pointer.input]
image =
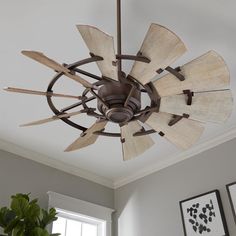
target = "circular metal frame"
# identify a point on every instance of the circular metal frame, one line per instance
(149, 89)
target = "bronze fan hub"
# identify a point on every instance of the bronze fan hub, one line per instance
(114, 96)
(119, 114)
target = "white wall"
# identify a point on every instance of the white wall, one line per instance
(150, 206)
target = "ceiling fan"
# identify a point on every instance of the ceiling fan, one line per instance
(180, 100)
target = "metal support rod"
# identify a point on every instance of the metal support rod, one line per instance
(134, 58)
(77, 104)
(129, 96)
(147, 109)
(119, 50)
(116, 135)
(99, 98)
(88, 74)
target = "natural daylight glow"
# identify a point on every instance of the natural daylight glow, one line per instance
(68, 227)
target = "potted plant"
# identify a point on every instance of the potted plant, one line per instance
(25, 217)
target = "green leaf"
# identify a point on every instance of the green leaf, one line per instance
(6, 216)
(19, 230)
(19, 205)
(11, 226)
(34, 201)
(25, 217)
(48, 217)
(33, 212)
(39, 232)
(21, 195)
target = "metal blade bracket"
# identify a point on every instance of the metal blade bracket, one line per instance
(162, 47)
(206, 73)
(183, 134)
(101, 44)
(134, 146)
(213, 106)
(88, 137)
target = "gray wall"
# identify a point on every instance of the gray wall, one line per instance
(18, 174)
(150, 206)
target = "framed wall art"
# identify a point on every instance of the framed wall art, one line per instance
(204, 215)
(231, 189)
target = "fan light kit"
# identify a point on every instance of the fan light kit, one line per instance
(180, 100)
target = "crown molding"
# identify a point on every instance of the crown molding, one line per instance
(52, 162)
(117, 183)
(173, 159)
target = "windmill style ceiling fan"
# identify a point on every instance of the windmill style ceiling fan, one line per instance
(180, 100)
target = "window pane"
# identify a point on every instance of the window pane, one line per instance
(59, 226)
(89, 230)
(73, 228)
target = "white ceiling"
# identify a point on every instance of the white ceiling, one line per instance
(49, 26)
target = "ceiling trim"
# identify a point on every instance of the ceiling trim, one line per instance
(117, 183)
(226, 136)
(52, 162)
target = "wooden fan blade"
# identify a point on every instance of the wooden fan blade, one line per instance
(41, 58)
(162, 47)
(34, 92)
(101, 44)
(50, 119)
(134, 146)
(183, 134)
(213, 106)
(88, 137)
(205, 73)
(84, 82)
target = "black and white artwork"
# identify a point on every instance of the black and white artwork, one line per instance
(231, 189)
(203, 215)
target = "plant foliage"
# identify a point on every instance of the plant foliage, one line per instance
(25, 217)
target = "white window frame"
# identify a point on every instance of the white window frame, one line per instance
(83, 211)
(101, 224)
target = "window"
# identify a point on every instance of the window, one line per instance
(69, 224)
(79, 218)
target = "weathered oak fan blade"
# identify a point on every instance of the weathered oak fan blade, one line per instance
(205, 73)
(162, 47)
(88, 137)
(134, 146)
(213, 106)
(183, 134)
(41, 58)
(50, 119)
(101, 44)
(77, 78)
(34, 92)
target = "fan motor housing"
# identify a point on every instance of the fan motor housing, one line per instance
(115, 95)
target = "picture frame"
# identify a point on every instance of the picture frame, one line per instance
(231, 190)
(204, 215)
